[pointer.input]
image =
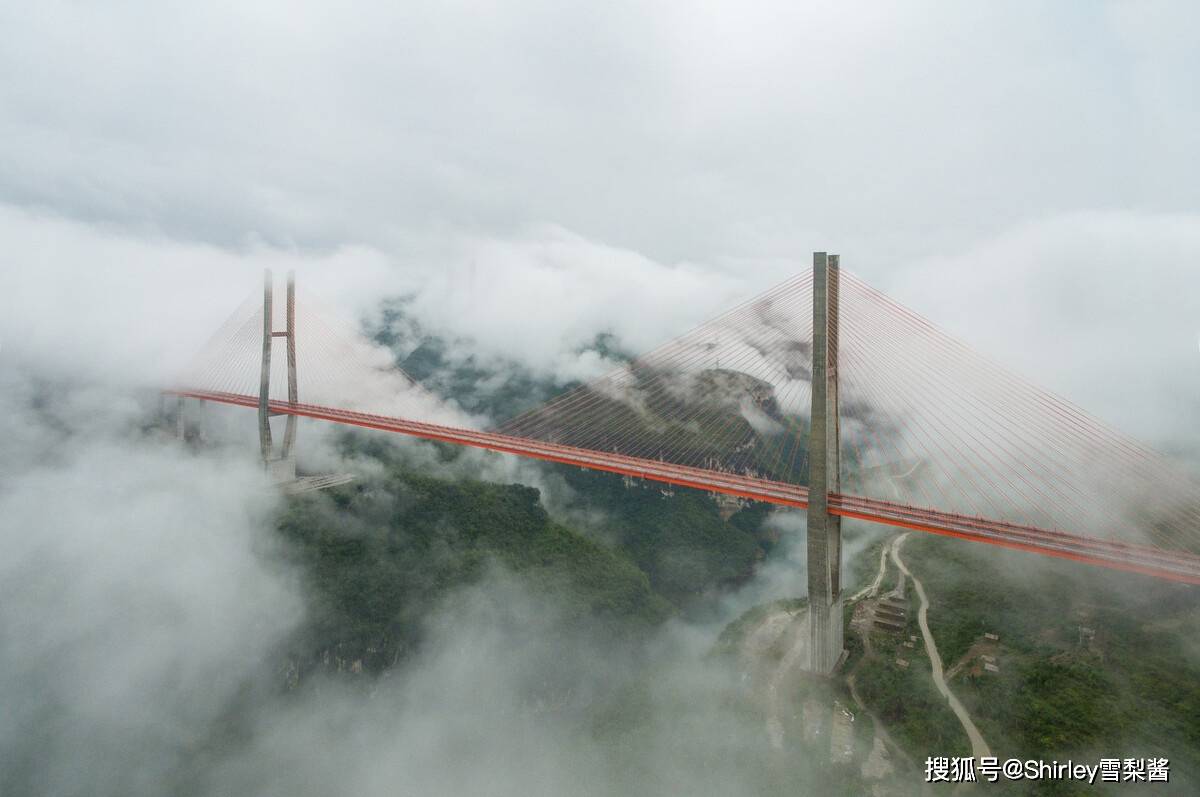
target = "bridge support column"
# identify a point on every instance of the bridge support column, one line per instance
(264, 385)
(824, 464)
(283, 468)
(289, 433)
(190, 425)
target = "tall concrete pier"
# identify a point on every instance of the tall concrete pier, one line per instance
(824, 529)
(284, 467)
(264, 389)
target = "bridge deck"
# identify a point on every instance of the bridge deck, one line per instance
(1145, 559)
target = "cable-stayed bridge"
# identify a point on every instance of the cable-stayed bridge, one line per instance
(821, 393)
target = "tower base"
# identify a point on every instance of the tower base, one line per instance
(825, 626)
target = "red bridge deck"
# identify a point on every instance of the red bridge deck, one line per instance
(1149, 560)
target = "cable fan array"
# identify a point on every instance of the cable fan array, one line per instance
(730, 396)
(336, 366)
(926, 424)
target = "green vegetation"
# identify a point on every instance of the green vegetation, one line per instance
(379, 555)
(686, 544)
(905, 698)
(1131, 690)
(681, 541)
(496, 388)
(907, 702)
(517, 391)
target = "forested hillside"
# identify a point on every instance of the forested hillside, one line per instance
(380, 553)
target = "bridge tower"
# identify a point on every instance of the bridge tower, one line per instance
(824, 463)
(283, 467)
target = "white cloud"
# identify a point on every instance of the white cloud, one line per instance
(138, 597)
(532, 174)
(681, 131)
(538, 174)
(1102, 308)
(506, 699)
(105, 304)
(540, 297)
(111, 306)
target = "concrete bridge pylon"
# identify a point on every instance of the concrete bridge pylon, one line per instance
(282, 467)
(824, 529)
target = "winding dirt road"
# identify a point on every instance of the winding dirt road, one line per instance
(979, 747)
(883, 740)
(872, 589)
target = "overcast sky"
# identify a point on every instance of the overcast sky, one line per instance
(540, 171)
(530, 174)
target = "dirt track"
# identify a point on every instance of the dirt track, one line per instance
(979, 747)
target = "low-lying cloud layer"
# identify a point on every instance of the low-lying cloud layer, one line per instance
(138, 597)
(524, 176)
(505, 700)
(144, 599)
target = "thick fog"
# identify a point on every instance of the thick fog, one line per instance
(523, 176)
(145, 602)
(139, 593)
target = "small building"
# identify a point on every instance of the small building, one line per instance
(896, 624)
(889, 625)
